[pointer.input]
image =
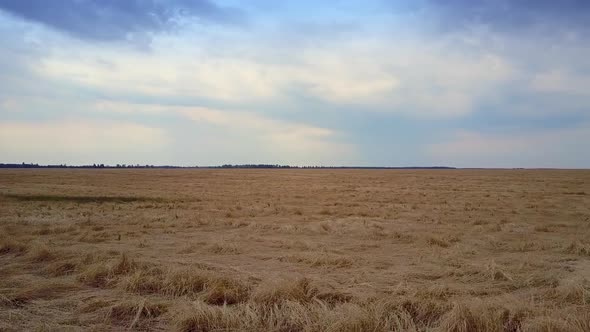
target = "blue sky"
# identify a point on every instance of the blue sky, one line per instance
(368, 83)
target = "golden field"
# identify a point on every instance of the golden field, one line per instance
(294, 250)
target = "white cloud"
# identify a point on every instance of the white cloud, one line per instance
(279, 141)
(224, 79)
(561, 81)
(9, 105)
(266, 140)
(437, 82)
(423, 80)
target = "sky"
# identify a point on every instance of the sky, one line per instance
(464, 83)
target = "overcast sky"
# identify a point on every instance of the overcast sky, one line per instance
(369, 83)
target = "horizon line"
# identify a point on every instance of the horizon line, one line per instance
(24, 165)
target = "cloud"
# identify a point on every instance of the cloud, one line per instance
(509, 16)
(437, 82)
(413, 79)
(79, 142)
(561, 81)
(9, 105)
(562, 147)
(276, 141)
(228, 136)
(113, 20)
(343, 85)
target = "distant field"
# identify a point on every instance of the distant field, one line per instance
(294, 250)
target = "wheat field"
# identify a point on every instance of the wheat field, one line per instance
(294, 250)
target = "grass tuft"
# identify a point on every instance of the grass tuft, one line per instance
(275, 292)
(320, 259)
(143, 282)
(221, 291)
(41, 253)
(224, 248)
(104, 274)
(184, 283)
(578, 248)
(478, 316)
(132, 313)
(61, 268)
(439, 242)
(8, 246)
(46, 290)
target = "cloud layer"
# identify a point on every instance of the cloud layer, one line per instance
(107, 20)
(341, 83)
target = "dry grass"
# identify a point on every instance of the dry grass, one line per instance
(314, 316)
(185, 283)
(320, 259)
(8, 246)
(579, 248)
(41, 253)
(436, 241)
(79, 199)
(478, 316)
(294, 250)
(223, 248)
(42, 290)
(279, 291)
(135, 314)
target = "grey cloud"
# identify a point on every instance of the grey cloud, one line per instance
(507, 15)
(109, 20)
(500, 15)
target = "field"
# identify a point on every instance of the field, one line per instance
(294, 250)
